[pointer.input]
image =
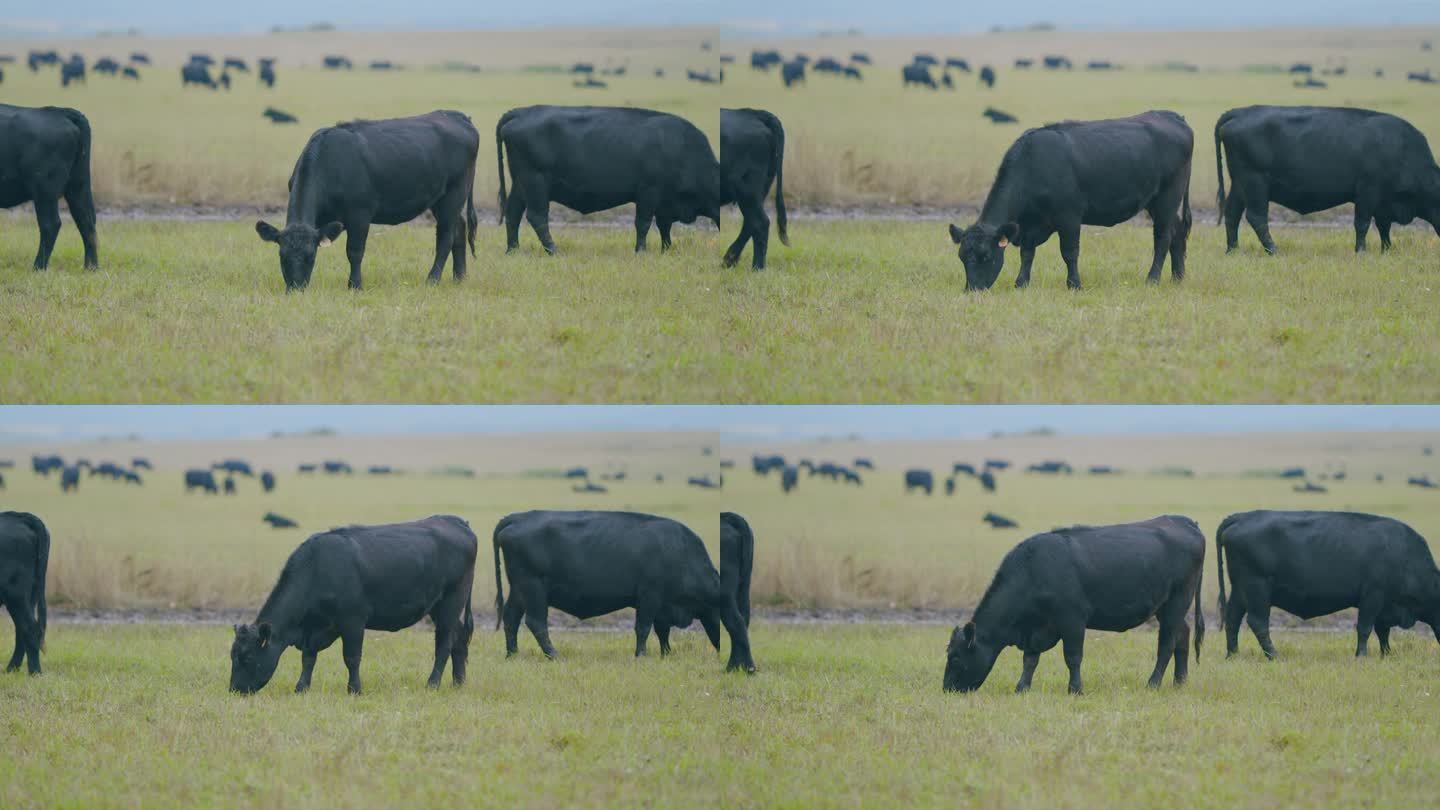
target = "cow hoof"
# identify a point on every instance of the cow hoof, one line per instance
(728, 260)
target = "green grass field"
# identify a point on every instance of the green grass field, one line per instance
(836, 717)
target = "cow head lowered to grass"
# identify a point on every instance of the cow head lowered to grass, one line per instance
(254, 655)
(968, 660)
(982, 251)
(298, 244)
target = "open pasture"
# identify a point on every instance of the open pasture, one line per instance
(832, 545)
(838, 716)
(148, 547)
(872, 145)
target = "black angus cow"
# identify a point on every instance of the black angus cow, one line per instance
(595, 158)
(132, 477)
(987, 480)
(961, 467)
(1309, 486)
(789, 477)
(45, 156)
(337, 468)
(591, 563)
(305, 469)
(764, 60)
(919, 479)
(582, 67)
(130, 73)
(704, 482)
(140, 58)
(342, 582)
(1023, 64)
(2, 482)
(950, 485)
(1050, 468)
(852, 72)
(337, 63)
(196, 73)
(201, 479)
(946, 81)
(924, 58)
(737, 556)
(999, 521)
(792, 72)
(1316, 563)
(1309, 159)
(225, 80)
(44, 465)
(916, 74)
(1421, 481)
(1312, 82)
(201, 59)
(1056, 585)
(987, 76)
(764, 464)
(384, 172)
(267, 481)
(381, 469)
(237, 64)
(267, 72)
(236, 466)
(36, 59)
(229, 485)
(1059, 177)
(1057, 63)
(577, 472)
(589, 486)
(591, 82)
(106, 65)
(752, 156)
(828, 64)
(24, 558)
(279, 116)
(72, 71)
(1099, 64)
(279, 521)
(704, 77)
(959, 64)
(70, 479)
(864, 463)
(860, 58)
(1301, 67)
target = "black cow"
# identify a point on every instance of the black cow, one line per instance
(279, 521)
(2, 482)
(860, 57)
(959, 64)
(1062, 176)
(592, 563)
(106, 65)
(704, 482)
(130, 73)
(924, 58)
(201, 479)
(1301, 67)
(589, 486)
(338, 468)
(987, 480)
(1023, 64)
(131, 477)
(267, 72)
(72, 71)
(1309, 487)
(1054, 586)
(70, 479)
(737, 558)
(1050, 468)
(946, 81)
(1293, 472)
(1312, 158)
(960, 467)
(704, 77)
(140, 58)
(229, 485)
(196, 73)
(1421, 481)
(864, 463)
(381, 469)
(763, 60)
(577, 472)
(999, 521)
(1057, 63)
(305, 469)
(279, 116)
(595, 158)
(591, 83)
(1102, 469)
(916, 74)
(237, 64)
(337, 63)
(852, 72)
(340, 583)
(987, 76)
(752, 156)
(792, 72)
(1317, 563)
(950, 485)
(267, 481)
(44, 465)
(827, 64)
(1099, 64)
(202, 59)
(24, 558)
(1312, 82)
(385, 172)
(764, 464)
(919, 479)
(236, 466)
(789, 477)
(44, 156)
(225, 80)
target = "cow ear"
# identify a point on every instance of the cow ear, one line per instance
(237, 629)
(1007, 234)
(264, 629)
(267, 231)
(969, 632)
(330, 233)
(956, 233)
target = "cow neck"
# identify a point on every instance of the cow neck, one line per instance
(283, 609)
(1004, 203)
(305, 197)
(999, 612)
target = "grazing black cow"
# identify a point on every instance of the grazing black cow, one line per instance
(1422, 77)
(589, 486)
(1050, 468)
(267, 481)
(70, 479)
(130, 73)
(225, 80)
(1099, 64)
(1062, 176)
(959, 64)
(789, 478)
(592, 563)
(1312, 82)
(704, 482)
(229, 485)
(1057, 63)
(704, 77)
(196, 73)
(267, 72)
(279, 116)
(827, 64)
(44, 156)
(385, 172)
(764, 60)
(381, 469)
(987, 480)
(202, 59)
(1293, 472)
(106, 65)
(342, 582)
(279, 521)
(132, 477)
(950, 485)
(924, 58)
(338, 468)
(1056, 585)
(1421, 481)
(24, 558)
(1102, 469)
(591, 83)
(337, 63)
(792, 72)
(764, 464)
(1309, 159)
(852, 72)
(961, 467)
(582, 67)
(236, 63)
(919, 479)
(987, 76)
(946, 81)
(860, 57)
(996, 464)
(44, 465)
(1301, 67)
(1309, 487)
(72, 71)
(1023, 64)
(1317, 563)
(140, 58)
(864, 463)
(916, 74)
(577, 472)
(201, 479)
(752, 156)
(305, 469)
(999, 521)
(595, 158)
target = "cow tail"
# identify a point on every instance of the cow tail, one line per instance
(499, 588)
(500, 162)
(472, 222)
(779, 132)
(1219, 175)
(468, 620)
(79, 194)
(1186, 220)
(37, 606)
(1220, 568)
(1199, 614)
(747, 562)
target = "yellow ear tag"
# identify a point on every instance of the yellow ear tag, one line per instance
(324, 243)
(1004, 243)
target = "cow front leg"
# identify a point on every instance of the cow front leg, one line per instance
(663, 226)
(1161, 233)
(1234, 615)
(1182, 652)
(644, 214)
(1382, 632)
(352, 643)
(47, 215)
(514, 212)
(82, 209)
(645, 613)
(444, 243)
(356, 235)
(1070, 252)
(1257, 212)
(1074, 644)
(1027, 671)
(1164, 651)
(1027, 260)
(309, 652)
(662, 633)
(1370, 604)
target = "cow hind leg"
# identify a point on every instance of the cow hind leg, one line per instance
(537, 611)
(514, 212)
(1364, 212)
(1182, 652)
(663, 226)
(1164, 651)
(1370, 604)
(352, 642)
(644, 215)
(732, 253)
(1382, 226)
(1070, 252)
(513, 613)
(1234, 210)
(1257, 212)
(1162, 232)
(444, 644)
(1382, 632)
(662, 634)
(357, 233)
(457, 249)
(740, 657)
(22, 632)
(1234, 615)
(47, 214)
(537, 212)
(646, 610)
(82, 209)
(444, 242)
(1074, 646)
(711, 623)
(1257, 615)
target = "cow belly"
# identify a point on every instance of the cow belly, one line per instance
(1308, 201)
(1311, 605)
(13, 194)
(589, 203)
(587, 606)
